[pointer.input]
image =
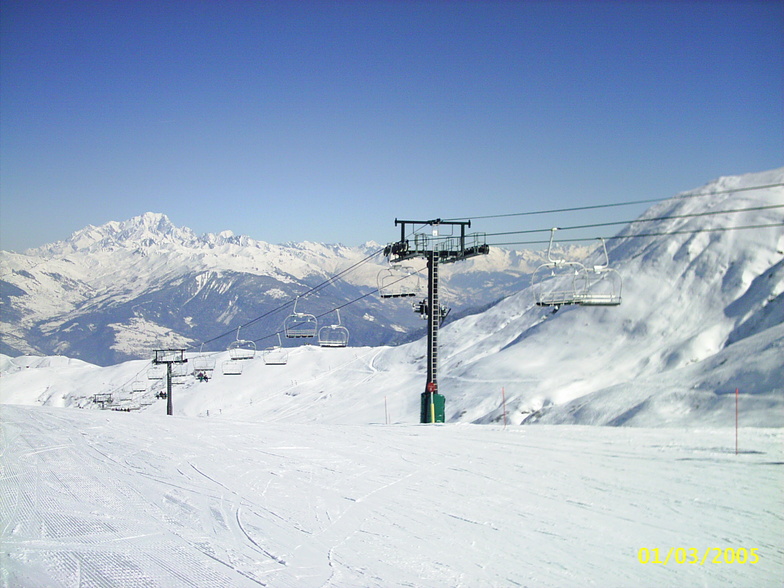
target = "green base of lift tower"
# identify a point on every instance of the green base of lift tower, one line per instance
(433, 408)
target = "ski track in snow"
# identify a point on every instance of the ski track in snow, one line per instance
(111, 499)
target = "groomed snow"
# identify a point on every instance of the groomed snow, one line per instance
(108, 499)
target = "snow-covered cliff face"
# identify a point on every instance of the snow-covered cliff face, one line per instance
(117, 291)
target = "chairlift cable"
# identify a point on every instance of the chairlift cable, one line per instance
(616, 204)
(640, 235)
(639, 220)
(531, 213)
(289, 302)
(132, 379)
(318, 316)
(306, 293)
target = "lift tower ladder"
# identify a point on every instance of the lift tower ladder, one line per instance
(436, 250)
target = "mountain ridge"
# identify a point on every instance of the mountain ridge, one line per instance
(77, 296)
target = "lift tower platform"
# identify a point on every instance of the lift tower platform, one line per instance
(436, 250)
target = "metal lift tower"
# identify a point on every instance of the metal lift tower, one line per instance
(169, 357)
(436, 250)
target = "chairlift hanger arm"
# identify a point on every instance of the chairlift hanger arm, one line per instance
(550, 247)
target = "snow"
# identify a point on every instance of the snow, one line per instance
(110, 499)
(136, 333)
(315, 473)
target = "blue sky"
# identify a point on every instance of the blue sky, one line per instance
(324, 121)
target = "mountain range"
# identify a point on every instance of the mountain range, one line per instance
(116, 292)
(697, 339)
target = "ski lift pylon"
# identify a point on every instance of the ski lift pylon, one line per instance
(276, 354)
(300, 324)
(241, 349)
(333, 335)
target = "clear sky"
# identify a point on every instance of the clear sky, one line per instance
(324, 121)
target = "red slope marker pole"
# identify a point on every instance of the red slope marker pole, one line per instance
(736, 421)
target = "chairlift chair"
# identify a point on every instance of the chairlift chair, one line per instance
(276, 354)
(232, 368)
(203, 364)
(299, 325)
(241, 349)
(558, 282)
(333, 335)
(602, 284)
(179, 370)
(156, 372)
(399, 282)
(139, 386)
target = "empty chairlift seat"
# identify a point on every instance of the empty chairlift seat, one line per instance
(300, 325)
(602, 285)
(333, 335)
(399, 282)
(203, 363)
(275, 354)
(241, 349)
(232, 368)
(557, 282)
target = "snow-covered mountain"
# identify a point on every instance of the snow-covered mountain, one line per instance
(116, 292)
(702, 314)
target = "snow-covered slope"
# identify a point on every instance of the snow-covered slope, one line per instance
(108, 499)
(701, 316)
(118, 291)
